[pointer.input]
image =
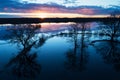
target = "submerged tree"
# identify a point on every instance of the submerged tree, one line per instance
(112, 27)
(24, 64)
(77, 57)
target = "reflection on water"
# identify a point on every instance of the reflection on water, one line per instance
(24, 63)
(110, 53)
(58, 51)
(78, 56)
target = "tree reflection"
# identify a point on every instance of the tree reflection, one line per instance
(110, 53)
(24, 64)
(77, 57)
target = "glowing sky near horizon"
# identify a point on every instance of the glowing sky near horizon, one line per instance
(57, 8)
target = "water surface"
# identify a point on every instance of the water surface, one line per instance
(57, 51)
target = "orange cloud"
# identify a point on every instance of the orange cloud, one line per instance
(87, 11)
(58, 11)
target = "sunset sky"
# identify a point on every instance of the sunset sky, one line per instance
(57, 8)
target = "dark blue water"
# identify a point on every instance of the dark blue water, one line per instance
(49, 51)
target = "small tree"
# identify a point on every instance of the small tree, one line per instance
(115, 14)
(112, 27)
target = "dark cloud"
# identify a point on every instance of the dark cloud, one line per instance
(16, 6)
(9, 3)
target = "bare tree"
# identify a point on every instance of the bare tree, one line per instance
(112, 27)
(77, 57)
(24, 64)
(115, 14)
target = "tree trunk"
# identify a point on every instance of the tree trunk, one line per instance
(112, 37)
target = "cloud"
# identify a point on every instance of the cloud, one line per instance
(16, 6)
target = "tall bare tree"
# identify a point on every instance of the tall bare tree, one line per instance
(112, 27)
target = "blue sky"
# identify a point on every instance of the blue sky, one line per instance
(76, 2)
(19, 8)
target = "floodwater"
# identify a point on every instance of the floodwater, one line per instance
(57, 51)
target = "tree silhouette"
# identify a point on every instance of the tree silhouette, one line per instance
(24, 64)
(115, 14)
(112, 27)
(77, 57)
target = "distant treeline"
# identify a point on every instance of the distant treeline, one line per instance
(40, 20)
